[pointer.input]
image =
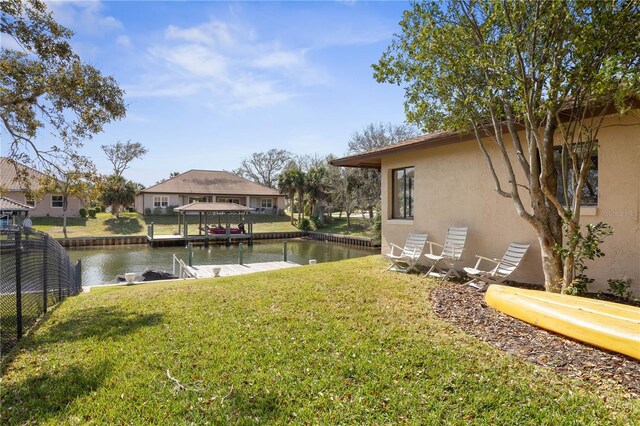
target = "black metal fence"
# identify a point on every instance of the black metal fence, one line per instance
(35, 274)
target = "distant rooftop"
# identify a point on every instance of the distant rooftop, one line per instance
(7, 204)
(9, 176)
(210, 182)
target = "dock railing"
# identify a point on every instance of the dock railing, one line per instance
(182, 269)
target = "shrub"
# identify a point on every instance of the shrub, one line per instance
(157, 210)
(83, 212)
(585, 247)
(304, 224)
(169, 210)
(147, 211)
(578, 286)
(316, 222)
(620, 288)
(92, 213)
(98, 209)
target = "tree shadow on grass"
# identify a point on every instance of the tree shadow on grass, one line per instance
(124, 226)
(245, 405)
(100, 322)
(43, 396)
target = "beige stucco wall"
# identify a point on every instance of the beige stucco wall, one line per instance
(454, 188)
(43, 206)
(144, 201)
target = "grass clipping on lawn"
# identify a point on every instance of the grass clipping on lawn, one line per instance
(331, 343)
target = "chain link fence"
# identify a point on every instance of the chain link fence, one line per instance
(35, 274)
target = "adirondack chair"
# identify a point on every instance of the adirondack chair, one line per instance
(504, 267)
(406, 259)
(444, 264)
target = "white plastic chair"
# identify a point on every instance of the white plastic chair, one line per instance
(444, 264)
(504, 267)
(407, 258)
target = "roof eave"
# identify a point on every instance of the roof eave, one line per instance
(373, 160)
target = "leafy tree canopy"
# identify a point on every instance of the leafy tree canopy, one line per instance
(121, 155)
(378, 135)
(45, 86)
(117, 192)
(264, 167)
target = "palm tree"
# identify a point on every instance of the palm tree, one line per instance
(316, 186)
(299, 181)
(286, 185)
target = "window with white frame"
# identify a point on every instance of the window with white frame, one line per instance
(160, 201)
(402, 184)
(57, 201)
(267, 203)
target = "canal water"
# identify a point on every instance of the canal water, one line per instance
(101, 265)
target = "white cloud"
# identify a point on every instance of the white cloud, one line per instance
(195, 60)
(162, 89)
(280, 59)
(85, 16)
(123, 40)
(214, 32)
(230, 65)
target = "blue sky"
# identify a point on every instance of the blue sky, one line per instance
(209, 83)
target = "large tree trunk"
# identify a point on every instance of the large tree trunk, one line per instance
(551, 263)
(569, 261)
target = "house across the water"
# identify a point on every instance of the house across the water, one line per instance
(439, 180)
(16, 177)
(209, 186)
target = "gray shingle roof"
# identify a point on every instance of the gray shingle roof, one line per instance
(13, 205)
(210, 182)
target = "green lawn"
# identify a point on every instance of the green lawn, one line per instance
(359, 227)
(105, 224)
(334, 343)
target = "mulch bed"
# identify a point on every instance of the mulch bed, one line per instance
(465, 308)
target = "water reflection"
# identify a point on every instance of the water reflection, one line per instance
(101, 265)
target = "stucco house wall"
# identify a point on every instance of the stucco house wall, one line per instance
(44, 207)
(144, 201)
(453, 187)
(14, 189)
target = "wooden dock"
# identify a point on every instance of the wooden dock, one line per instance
(206, 271)
(181, 240)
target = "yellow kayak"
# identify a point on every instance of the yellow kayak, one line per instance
(607, 325)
